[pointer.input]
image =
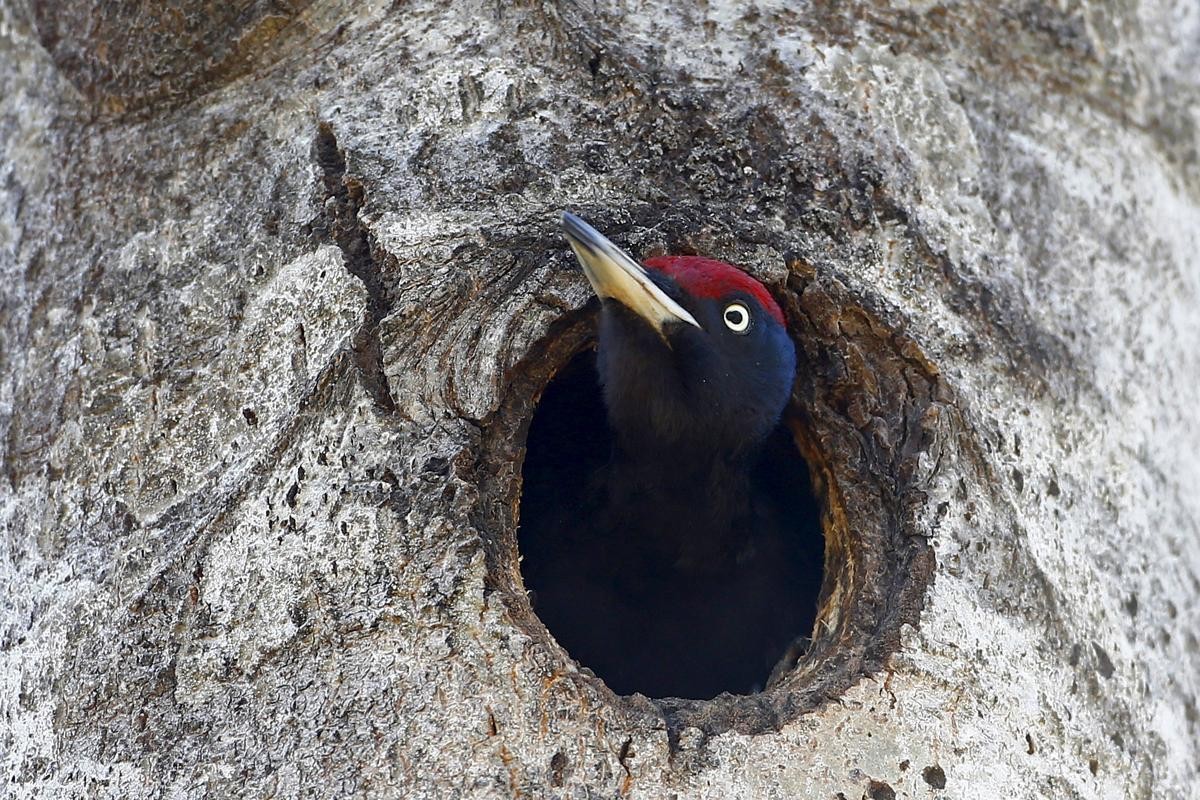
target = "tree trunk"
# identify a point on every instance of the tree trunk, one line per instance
(283, 282)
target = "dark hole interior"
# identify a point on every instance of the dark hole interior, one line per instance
(651, 632)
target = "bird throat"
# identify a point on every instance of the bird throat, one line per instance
(684, 511)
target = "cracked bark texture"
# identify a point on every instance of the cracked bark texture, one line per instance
(277, 283)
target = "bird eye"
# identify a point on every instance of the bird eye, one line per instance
(737, 317)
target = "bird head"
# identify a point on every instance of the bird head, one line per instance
(693, 353)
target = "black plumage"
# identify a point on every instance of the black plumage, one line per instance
(668, 534)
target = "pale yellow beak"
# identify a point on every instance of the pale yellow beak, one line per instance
(615, 275)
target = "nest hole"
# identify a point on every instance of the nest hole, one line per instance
(868, 419)
(660, 633)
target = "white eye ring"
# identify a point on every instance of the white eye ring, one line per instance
(736, 317)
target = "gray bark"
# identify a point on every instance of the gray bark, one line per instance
(281, 284)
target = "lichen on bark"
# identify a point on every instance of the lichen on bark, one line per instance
(281, 285)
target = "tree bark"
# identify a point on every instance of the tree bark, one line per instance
(281, 286)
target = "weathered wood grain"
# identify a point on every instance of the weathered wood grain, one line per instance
(282, 283)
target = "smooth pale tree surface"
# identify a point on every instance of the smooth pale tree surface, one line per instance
(267, 273)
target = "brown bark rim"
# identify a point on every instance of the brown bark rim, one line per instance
(862, 411)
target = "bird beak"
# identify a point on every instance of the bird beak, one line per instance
(617, 276)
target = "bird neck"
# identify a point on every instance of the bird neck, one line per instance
(688, 507)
